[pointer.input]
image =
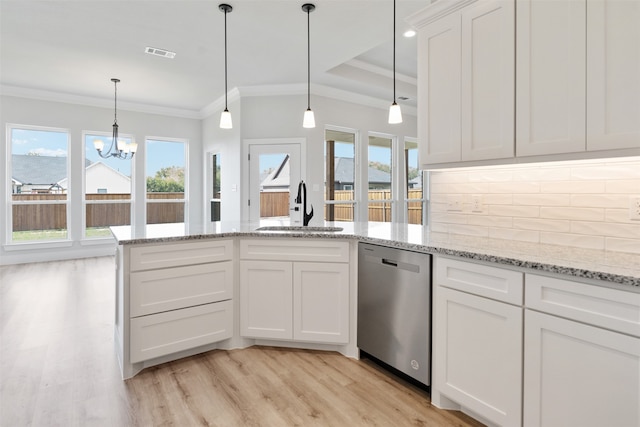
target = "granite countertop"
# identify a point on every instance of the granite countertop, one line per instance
(614, 267)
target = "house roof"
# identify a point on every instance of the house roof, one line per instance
(33, 170)
(344, 174)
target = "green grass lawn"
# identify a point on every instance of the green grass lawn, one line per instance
(36, 235)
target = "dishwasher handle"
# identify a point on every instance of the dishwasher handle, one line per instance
(389, 262)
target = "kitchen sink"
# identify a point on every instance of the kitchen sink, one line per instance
(299, 228)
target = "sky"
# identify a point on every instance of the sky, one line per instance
(159, 153)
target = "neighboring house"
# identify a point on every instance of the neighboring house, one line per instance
(48, 175)
(278, 179)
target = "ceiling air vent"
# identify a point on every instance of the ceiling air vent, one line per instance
(403, 98)
(159, 52)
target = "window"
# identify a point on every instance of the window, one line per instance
(215, 197)
(414, 184)
(39, 168)
(166, 172)
(107, 188)
(339, 175)
(380, 178)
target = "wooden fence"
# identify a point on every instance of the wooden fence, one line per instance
(274, 204)
(115, 210)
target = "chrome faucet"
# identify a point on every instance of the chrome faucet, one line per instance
(302, 198)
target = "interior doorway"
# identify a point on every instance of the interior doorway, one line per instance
(274, 174)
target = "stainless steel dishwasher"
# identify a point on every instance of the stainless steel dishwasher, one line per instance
(394, 308)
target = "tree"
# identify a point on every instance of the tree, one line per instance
(167, 180)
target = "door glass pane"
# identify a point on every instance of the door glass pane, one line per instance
(107, 184)
(413, 183)
(215, 196)
(339, 182)
(166, 172)
(379, 175)
(39, 184)
(274, 185)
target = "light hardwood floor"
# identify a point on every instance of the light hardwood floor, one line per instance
(58, 368)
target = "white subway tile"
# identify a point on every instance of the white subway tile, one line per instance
(438, 206)
(588, 214)
(514, 187)
(572, 240)
(542, 174)
(600, 200)
(446, 177)
(468, 187)
(490, 175)
(497, 199)
(518, 235)
(617, 215)
(438, 227)
(609, 229)
(515, 211)
(629, 186)
(542, 199)
(449, 218)
(490, 220)
(622, 245)
(603, 172)
(554, 225)
(572, 187)
(469, 230)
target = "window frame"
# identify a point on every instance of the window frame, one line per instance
(185, 198)
(355, 202)
(34, 244)
(131, 200)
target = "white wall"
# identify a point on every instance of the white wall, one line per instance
(581, 204)
(79, 118)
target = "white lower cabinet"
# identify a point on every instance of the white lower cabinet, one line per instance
(576, 372)
(478, 341)
(513, 348)
(294, 300)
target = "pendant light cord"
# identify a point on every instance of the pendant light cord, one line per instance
(115, 102)
(394, 51)
(225, 59)
(309, 62)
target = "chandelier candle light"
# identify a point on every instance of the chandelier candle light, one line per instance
(119, 148)
(395, 115)
(225, 117)
(309, 120)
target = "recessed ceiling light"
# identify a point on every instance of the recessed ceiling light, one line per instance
(409, 33)
(160, 52)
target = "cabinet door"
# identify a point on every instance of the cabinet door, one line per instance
(487, 110)
(321, 302)
(579, 375)
(439, 91)
(613, 74)
(550, 77)
(478, 355)
(266, 299)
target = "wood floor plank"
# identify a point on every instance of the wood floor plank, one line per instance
(58, 368)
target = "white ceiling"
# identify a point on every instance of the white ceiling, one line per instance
(74, 48)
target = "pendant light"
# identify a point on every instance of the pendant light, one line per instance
(225, 117)
(309, 120)
(118, 148)
(395, 115)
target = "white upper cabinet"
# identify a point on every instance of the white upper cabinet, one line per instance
(487, 80)
(613, 74)
(466, 82)
(439, 91)
(550, 77)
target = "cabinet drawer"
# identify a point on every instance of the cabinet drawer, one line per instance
(165, 333)
(295, 250)
(605, 307)
(155, 291)
(179, 254)
(491, 282)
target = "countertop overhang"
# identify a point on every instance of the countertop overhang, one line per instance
(614, 267)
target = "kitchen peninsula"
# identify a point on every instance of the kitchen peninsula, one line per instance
(183, 290)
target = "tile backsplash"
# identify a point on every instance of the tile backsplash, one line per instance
(583, 204)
